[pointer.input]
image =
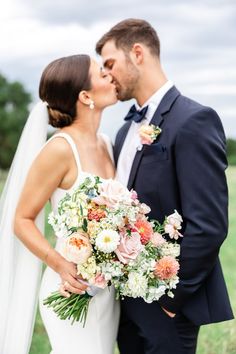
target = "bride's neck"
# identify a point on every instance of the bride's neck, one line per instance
(86, 126)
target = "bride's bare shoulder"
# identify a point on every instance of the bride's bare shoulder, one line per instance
(57, 147)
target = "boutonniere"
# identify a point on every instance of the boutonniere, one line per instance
(149, 133)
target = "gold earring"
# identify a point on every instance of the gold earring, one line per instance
(91, 106)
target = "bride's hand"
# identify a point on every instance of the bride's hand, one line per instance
(69, 279)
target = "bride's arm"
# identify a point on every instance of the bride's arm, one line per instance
(45, 175)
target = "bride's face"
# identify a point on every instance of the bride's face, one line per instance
(103, 90)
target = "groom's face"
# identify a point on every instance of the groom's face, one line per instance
(123, 71)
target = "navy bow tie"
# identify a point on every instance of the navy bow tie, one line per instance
(136, 115)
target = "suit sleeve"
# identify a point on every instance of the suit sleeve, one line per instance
(200, 166)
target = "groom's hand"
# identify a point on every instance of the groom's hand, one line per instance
(170, 314)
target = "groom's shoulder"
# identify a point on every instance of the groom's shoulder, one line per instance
(190, 106)
(188, 109)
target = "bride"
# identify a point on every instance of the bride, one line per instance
(75, 91)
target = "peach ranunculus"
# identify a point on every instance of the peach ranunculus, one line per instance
(157, 240)
(112, 192)
(144, 228)
(76, 248)
(148, 133)
(173, 224)
(129, 248)
(166, 268)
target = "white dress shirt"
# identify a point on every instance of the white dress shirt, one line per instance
(132, 141)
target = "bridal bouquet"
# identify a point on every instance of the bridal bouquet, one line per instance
(106, 233)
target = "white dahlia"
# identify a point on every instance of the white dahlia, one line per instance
(137, 284)
(107, 241)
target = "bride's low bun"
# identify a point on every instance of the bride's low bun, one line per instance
(59, 119)
(61, 82)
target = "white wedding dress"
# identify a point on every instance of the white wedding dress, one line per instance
(100, 331)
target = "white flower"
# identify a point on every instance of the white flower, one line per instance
(137, 284)
(73, 222)
(111, 269)
(170, 249)
(89, 269)
(173, 282)
(51, 219)
(154, 293)
(116, 219)
(107, 241)
(89, 180)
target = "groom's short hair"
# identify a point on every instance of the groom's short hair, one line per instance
(128, 32)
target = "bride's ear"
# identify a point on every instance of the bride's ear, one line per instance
(84, 97)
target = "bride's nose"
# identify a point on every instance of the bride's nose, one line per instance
(110, 78)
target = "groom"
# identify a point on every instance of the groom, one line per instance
(183, 169)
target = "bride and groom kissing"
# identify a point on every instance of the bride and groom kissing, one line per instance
(183, 169)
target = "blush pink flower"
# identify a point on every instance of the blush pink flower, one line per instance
(129, 247)
(100, 281)
(157, 239)
(173, 224)
(144, 228)
(166, 268)
(148, 133)
(111, 192)
(134, 195)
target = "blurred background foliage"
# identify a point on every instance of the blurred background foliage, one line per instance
(14, 103)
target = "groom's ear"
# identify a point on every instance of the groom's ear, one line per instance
(137, 53)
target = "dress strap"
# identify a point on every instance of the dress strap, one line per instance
(72, 144)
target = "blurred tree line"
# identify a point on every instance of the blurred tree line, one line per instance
(14, 104)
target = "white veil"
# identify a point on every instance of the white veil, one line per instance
(20, 270)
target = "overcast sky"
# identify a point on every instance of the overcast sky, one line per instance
(198, 44)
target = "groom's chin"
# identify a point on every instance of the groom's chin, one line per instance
(123, 98)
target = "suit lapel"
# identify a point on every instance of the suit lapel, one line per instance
(120, 140)
(157, 119)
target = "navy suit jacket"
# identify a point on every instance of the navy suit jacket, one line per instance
(184, 169)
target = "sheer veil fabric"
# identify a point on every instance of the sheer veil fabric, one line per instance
(20, 270)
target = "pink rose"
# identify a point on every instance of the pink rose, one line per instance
(112, 192)
(100, 281)
(129, 247)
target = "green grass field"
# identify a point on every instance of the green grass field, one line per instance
(213, 339)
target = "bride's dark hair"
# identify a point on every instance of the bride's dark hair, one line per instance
(61, 82)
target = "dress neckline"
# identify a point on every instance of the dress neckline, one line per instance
(75, 151)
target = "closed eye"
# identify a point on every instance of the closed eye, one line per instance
(109, 64)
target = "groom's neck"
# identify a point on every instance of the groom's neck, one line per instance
(152, 78)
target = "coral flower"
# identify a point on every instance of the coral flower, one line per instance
(145, 230)
(166, 268)
(96, 214)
